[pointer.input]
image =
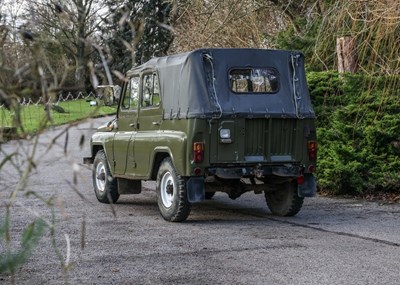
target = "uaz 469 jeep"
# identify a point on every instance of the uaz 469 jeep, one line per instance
(229, 120)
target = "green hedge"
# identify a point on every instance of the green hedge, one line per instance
(358, 127)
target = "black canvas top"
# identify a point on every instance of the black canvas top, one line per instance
(196, 84)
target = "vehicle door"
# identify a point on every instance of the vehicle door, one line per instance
(127, 125)
(149, 120)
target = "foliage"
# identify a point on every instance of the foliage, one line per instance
(305, 42)
(9, 260)
(137, 31)
(231, 23)
(358, 131)
(374, 26)
(358, 124)
(67, 32)
(156, 17)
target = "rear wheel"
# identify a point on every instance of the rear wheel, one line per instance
(171, 193)
(284, 201)
(105, 186)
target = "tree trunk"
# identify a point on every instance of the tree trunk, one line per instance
(345, 49)
(81, 59)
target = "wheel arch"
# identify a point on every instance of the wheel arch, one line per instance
(177, 154)
(98, 147)
(158, 157)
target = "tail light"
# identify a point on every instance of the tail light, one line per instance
(198, 152)
(300, 179)
(312, 150)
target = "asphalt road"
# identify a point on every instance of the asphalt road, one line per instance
(331, 241)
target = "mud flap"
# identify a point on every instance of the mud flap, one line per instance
(195, 189)
(126, 186)
(308, 188)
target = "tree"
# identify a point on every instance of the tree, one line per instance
(229, 23)
(373, 27)
(72, 26)
(118, 36)
(156, 18)
(138, 30)
(15, 53)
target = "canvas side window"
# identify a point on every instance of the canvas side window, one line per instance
(134, 95)
(150, 91)
(131, 94)
(254, 80)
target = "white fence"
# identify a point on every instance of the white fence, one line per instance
(60, 98)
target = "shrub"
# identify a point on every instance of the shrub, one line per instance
(358, 129)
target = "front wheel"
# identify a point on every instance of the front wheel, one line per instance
(284, 201)
(171, 193)
(105, 186)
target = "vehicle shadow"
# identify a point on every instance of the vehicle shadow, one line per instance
(220, 209)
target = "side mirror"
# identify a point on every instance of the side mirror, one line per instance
(112, 125)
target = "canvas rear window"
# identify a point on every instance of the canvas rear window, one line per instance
(254, 80)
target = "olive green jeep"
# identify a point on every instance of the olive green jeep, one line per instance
(211, 120)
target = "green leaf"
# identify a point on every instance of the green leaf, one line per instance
(10, 261)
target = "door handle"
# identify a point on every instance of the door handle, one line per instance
(156, 123)
(134, 126)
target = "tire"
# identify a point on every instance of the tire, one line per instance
(105, 186)
(171, 193)
(209, 195)
(284, 201)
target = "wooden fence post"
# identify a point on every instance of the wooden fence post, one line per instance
(345, 49)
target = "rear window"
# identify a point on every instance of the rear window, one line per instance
(254, 80)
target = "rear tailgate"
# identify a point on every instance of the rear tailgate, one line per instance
(261, 140)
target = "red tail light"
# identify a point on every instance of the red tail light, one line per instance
(312, 150)
(198, 152)
(300, 179)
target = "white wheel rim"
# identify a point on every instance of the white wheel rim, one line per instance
(167, 182)
(100, 177)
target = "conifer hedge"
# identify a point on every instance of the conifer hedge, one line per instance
(358, 127)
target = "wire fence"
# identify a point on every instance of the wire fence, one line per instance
(60, 98)
(31, 115)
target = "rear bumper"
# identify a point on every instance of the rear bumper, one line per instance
(270, 174)
(258, 171)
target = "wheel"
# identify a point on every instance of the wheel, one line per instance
(284, 201)
(209, 195)
(171, 193)
(105, 186)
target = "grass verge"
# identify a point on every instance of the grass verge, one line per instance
(34, 118)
